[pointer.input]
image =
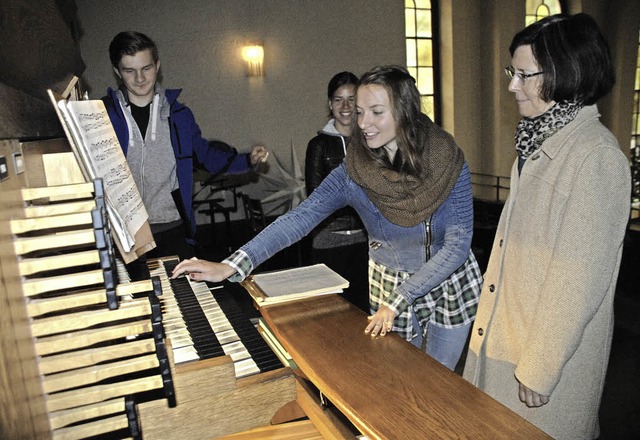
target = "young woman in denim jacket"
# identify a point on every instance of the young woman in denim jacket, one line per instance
(408, 181)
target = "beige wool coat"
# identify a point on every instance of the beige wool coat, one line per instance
(546, 310)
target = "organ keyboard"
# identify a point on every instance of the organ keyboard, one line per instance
(204, 322)
(83, 348)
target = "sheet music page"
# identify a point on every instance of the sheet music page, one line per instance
(98, 144)
(310, 280)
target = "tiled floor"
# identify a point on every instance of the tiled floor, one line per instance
(620, 406)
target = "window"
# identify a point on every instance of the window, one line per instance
(537, 9)
(635, 137)
(422, 47)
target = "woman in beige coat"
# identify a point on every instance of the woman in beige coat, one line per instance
(542, 336)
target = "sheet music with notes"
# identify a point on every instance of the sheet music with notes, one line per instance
(291, 284)
(97, 144)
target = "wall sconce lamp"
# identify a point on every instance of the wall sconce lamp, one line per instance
(253, 57)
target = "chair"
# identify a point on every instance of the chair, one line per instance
(254, 213)
(215, 203)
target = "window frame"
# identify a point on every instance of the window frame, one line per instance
(435, 55)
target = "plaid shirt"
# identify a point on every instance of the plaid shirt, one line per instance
(241, 262)
(452, 304)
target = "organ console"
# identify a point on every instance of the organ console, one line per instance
(83, 350)
(100, 355)
(203, 323)
(88, 353)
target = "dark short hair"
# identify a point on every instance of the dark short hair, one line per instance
(573, 54)
(130, 43)
(339, 80)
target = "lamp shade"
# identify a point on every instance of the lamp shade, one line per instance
(253, 57)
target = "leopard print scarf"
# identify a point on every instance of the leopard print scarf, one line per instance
(532, 132)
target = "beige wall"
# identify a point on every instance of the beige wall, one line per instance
(620, 21)
(307, 41)
(477, 107)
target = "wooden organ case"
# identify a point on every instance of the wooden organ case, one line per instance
(84, 355)
(81, 354)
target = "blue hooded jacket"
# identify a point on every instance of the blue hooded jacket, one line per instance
(188, 144)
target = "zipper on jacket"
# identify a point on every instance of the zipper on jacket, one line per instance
(142, 157)
(427, 230)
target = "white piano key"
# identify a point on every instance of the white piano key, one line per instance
(181, 342)
(245, 367)
(227, 336)
(184, 354)
(175, 325)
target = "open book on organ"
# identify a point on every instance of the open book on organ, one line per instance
(96, 148)
(294, 284)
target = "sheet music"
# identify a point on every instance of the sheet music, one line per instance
(97, 143)
(300, 282)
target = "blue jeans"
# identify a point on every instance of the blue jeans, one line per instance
(443, 344)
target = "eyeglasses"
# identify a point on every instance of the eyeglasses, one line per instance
(522, 77)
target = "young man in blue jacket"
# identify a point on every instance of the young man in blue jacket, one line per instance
(161, 140)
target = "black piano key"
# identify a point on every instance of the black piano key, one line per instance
(205, 342)
(204, 339)
(260, 352)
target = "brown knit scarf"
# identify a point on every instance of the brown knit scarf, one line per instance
(407, 200)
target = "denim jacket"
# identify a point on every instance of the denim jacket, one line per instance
(430, 251)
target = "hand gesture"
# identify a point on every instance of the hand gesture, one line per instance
(259, 154)
(203, 270)
(531, 398)
(381, 322)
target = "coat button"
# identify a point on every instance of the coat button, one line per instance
(492, 288)
(535, 157)
(501, 241)
(480, 332)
